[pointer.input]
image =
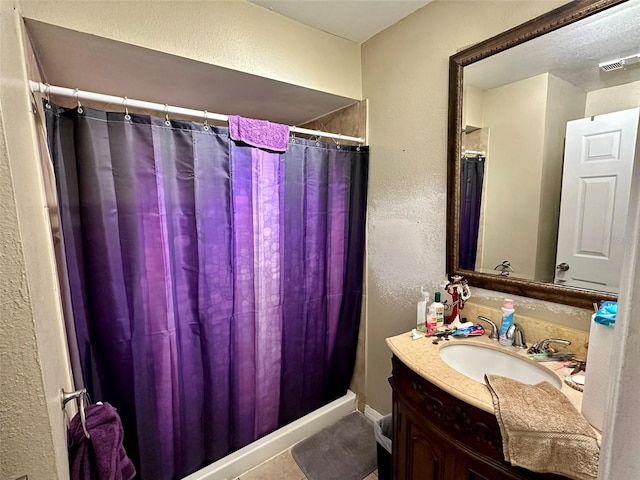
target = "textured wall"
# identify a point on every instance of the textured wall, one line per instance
(405, 78)
(24, 422)
(34, 358)
(351, 121)
(233, 34)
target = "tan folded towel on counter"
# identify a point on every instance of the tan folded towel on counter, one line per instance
(542, 431)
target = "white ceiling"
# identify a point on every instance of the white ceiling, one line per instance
(356, 20)
(571, 53)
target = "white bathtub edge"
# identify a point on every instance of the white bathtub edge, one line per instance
(263, 449)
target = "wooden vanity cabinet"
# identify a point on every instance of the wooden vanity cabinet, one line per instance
(436, 436)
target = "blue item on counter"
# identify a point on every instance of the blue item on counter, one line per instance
(471, 331)
(461, 332)
(507, 321)
(606, 314)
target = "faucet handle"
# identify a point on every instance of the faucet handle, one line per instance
(542, 345)
(494, 329)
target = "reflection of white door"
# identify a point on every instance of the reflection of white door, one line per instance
(596, 182)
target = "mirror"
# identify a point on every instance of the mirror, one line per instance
(529, 111)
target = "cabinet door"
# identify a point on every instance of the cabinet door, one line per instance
(471, 467)
(420, 454)
(437, 436)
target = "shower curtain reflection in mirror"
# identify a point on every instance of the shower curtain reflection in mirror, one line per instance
(216, 287)
(472, 176)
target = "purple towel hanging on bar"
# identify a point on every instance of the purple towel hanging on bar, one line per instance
(102, 456)
(259, 133)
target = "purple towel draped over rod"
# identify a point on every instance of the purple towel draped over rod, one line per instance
(259, 133)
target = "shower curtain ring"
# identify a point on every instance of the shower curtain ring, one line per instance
(126, 109)
(206, 125)
(47, 95)
(80, 110)
(166, 115)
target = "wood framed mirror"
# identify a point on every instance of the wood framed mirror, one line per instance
(540, 52)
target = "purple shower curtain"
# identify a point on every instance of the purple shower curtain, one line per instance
(472, 178)
(216, 287)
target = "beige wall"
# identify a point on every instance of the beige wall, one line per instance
(350, 121)
(613, 99)
(472, 107)
(34, 359)
(405, 77)
(527, 120)
(564, 102)
(515, 116)
(233, 34)
(24, 420)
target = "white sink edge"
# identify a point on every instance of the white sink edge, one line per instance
(543, 372)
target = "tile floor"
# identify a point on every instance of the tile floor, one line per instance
(282, 467)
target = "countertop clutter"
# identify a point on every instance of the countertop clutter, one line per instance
(422, 356)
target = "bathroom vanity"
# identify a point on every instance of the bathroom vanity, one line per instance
(443, 422)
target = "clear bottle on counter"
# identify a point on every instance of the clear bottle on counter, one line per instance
(422, 310)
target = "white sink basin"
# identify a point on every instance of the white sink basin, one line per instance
(474, 361)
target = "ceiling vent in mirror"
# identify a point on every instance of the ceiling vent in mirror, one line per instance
(620, 63)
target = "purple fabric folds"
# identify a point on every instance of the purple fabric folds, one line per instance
(259, 133)
(471, 196)
(101, 457)
(216, 287)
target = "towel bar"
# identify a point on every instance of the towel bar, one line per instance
(80, 396)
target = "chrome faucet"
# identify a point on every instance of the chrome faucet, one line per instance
(494, 329)
(542, 345)
(516, 337)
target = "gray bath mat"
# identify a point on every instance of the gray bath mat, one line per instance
(345, 450)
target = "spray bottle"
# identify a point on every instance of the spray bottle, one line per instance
(507, 321)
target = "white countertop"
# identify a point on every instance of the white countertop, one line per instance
(422, 357)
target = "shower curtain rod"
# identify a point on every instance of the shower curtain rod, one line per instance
(473, 152)
(159, 107)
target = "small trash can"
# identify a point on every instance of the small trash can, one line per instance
(383, 429)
